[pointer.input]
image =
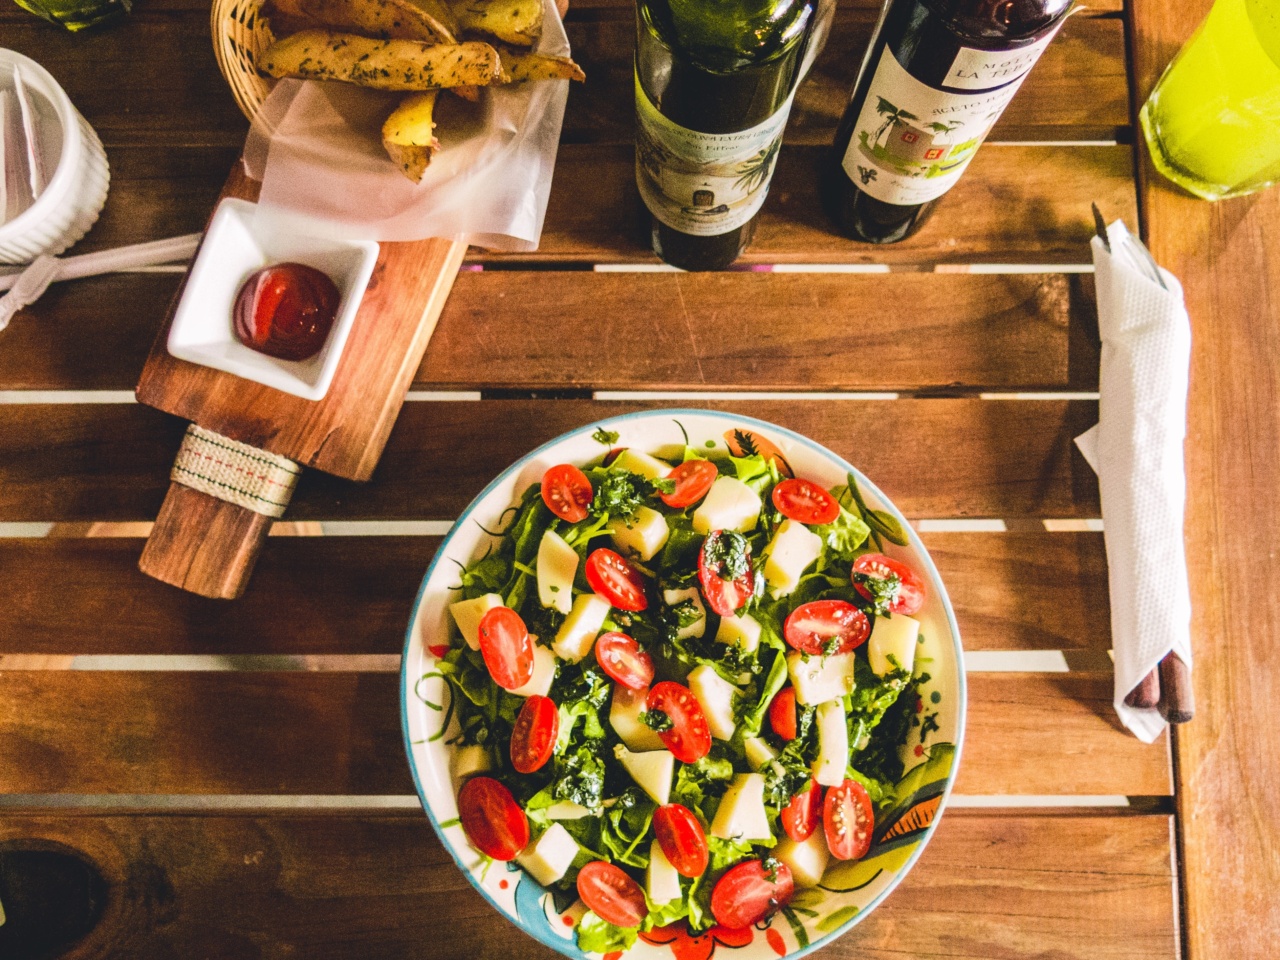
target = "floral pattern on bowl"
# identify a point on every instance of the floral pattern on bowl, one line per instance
(849, 890)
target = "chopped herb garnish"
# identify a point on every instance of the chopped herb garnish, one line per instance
(606, 437)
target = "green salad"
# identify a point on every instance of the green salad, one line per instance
(682, 688)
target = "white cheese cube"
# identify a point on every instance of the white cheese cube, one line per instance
(742, 632)
(806, 860)
(557, 564)
(759, 752)
(741, 814)
(661, 881)
(467, 614)
(544, 673)
(577, 635)
(833, 744)
(548, 859)
(893, 636)
(793, 548)
(729, 505)
(642, 534)
(652, 771)
(695, 628)
(819, 679)
(651, 468)
(469, 760)
(715, 695)
(567, 810)
(624, 717)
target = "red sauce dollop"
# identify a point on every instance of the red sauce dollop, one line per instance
(286, 311)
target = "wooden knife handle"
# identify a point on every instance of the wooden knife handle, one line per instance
(1146, 695)
(203, 544)
(1177, 702)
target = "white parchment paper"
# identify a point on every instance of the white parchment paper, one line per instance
(317, 148)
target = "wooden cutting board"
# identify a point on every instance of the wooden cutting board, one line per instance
(209, 546)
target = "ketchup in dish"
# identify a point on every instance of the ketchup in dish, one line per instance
(286, 311)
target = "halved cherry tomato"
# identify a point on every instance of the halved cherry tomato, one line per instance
(746, 894)
(801, 816)
(623, 660)
(611, 894)
(533, 739)
(782, 713)
(693, 479)
(848, 820)
(506, 647)
(493, 821)
(689, 737)
(681, 838)
(567, 492)
(725, 595)
(811, 627)
(616, 580)
(805, 502)
(910, 596)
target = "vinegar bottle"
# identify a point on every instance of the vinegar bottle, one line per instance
(936, 78)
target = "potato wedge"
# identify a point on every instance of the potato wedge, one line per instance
(381, 64)
(517, 22)
(408, 134)
(523, 67)
(466, 92)
(427, 20)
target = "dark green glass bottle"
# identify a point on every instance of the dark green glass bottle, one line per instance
(714, 80)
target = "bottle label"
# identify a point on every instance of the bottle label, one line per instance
(912, 141)
(703, 184)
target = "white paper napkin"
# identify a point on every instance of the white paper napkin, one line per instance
(1136, 450)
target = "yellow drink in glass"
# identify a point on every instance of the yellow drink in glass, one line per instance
(1213, 121)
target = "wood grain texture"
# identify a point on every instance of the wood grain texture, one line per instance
(509, 330)
(204, 545)
(946, 458)
(1229, 762)
(1078, 90)
(168, 91)
(336, 595)
(986, 888)
(339, 733)
(343, 433)
(1015, 204)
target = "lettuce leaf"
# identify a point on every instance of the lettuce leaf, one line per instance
(596, 935)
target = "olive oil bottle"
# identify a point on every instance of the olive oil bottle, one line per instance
(714, 83)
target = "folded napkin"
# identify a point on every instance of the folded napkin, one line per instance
(1136, 450)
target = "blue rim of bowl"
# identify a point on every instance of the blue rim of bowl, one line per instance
(569, 947)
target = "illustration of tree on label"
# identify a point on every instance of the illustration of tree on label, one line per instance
(935, 80)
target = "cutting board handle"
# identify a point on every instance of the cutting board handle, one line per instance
(202, 544)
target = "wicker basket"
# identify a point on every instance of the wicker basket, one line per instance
(239, 36)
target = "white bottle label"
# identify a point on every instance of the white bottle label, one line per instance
(703, 184)
(912, 141)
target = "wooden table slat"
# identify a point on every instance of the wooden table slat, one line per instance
(1228, 756)
(651, 331)
(339, 733)
(935, 457)
(988, 887)
(353, 595)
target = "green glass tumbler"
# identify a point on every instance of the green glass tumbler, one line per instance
(1212, 123)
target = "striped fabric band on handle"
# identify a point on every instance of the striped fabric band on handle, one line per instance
(236, 472)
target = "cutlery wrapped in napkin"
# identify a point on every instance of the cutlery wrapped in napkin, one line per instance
(1136, 450)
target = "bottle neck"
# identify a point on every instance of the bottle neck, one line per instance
(723, 35)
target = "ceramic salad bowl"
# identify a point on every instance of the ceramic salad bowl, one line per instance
(849, 890)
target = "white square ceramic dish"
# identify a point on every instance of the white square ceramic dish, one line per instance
(236, 245)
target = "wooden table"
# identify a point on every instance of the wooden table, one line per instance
(235, 770)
